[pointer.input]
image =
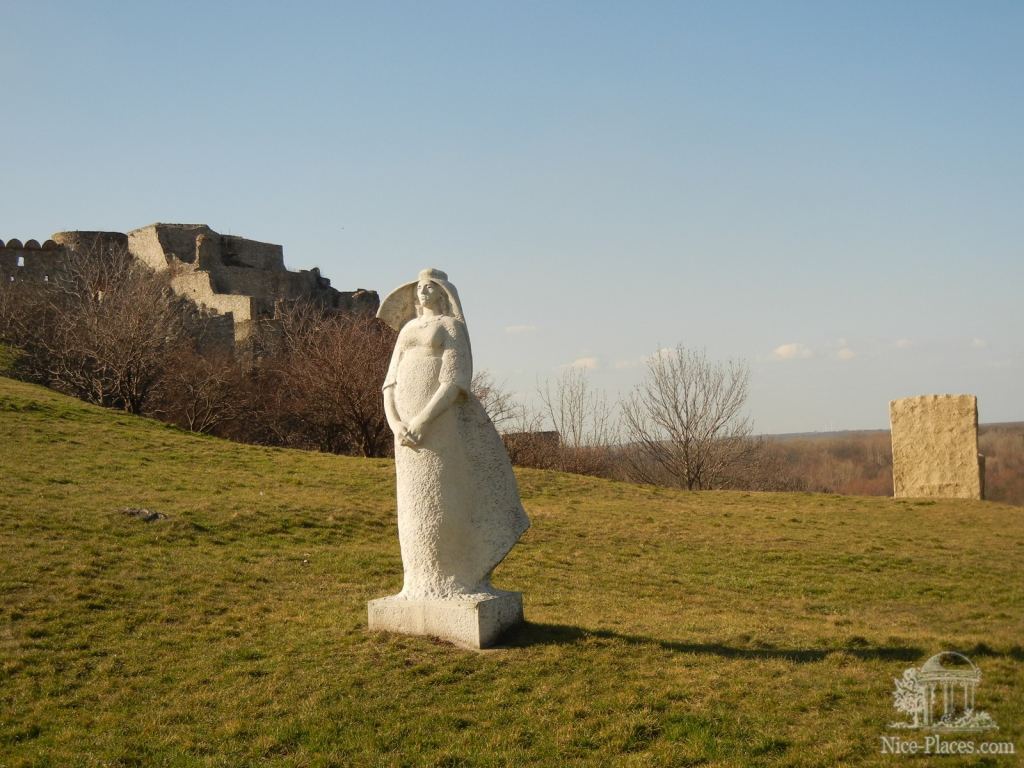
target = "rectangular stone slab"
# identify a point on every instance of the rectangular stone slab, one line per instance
(935, 447)
(468, 622)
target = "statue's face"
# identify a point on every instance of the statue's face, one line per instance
(430, 295)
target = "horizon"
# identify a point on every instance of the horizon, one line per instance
(831, 193)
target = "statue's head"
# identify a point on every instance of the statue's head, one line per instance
(431, 294)
(432, 289)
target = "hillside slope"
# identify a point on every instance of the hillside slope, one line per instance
(665, 628)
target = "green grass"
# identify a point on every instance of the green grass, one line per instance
(7, 359)
(665, 628)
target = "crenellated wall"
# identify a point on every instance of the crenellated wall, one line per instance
(243, 281)
(30, 260)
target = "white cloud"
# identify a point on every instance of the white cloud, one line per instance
(792, 351)
(586, 363)
(520, 328)
(979, 343)
(845, 353)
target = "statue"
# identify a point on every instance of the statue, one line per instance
(459, 511)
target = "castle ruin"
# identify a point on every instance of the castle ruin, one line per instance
(237, 282)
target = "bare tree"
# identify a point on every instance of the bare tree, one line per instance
(204, 392)
(684, 423)
(581, 414)
(521, 427)
(499, 403)
(102, 329)
(584, 421)
(321, 387)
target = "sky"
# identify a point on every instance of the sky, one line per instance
(830, 192)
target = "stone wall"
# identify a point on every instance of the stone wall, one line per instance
(30, 260)
(236, 282)
(164, 245)
(37, 262)
(85, 242)
(234, 276)
(935, 447)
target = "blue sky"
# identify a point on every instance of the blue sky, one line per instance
(833, 192)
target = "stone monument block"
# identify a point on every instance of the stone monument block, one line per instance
(935, 447)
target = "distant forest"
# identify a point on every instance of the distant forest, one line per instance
(860, 463)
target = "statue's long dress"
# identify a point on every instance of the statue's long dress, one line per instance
(459, 511)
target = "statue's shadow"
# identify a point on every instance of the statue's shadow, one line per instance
(533, 634)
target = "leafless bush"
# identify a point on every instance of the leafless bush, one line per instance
(209, 393)
(499, 403)
(320, 386)
(762, 467)
(102, 329)
(110, 331)
(529, 444)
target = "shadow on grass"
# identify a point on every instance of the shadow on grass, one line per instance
(982, 650)
(559, 634)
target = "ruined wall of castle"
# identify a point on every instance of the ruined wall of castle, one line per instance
(30, 260)
(935, 447)
(235, 281)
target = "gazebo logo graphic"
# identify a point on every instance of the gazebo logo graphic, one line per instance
(939, 695)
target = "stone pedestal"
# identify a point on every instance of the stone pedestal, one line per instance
(473, 622)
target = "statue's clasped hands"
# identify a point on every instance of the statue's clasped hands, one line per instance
(411, 434)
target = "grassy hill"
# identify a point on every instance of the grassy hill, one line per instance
(665, 628)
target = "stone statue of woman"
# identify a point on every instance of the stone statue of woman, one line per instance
(459, 511)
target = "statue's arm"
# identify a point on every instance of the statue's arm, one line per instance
(390, 410)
